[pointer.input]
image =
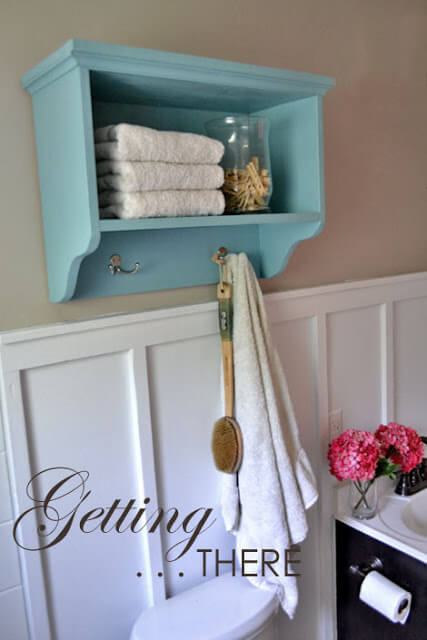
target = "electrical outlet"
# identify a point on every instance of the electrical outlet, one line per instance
(335, 423)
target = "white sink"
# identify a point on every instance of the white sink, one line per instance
(400, 522)
(406, 516)
(414, 514)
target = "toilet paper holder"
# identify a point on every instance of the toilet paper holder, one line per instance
(375, 564)
(362, 570)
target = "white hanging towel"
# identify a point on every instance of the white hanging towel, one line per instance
(266, 508)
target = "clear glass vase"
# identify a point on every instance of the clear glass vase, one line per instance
(246, 162)
(363, 499)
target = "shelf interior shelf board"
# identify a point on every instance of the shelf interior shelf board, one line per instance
(231, 220)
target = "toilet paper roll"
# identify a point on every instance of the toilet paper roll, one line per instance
(386, 597)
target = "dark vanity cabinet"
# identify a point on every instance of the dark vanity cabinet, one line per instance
(357, 621)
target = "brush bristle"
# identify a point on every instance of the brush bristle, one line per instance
(226, 445)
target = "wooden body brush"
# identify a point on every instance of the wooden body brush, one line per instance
(227, 446)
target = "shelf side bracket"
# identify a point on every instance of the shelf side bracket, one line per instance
(66, 163)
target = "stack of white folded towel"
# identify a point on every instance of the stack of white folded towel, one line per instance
(144, 173)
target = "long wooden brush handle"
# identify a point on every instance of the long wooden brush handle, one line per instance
(225, 312)
(227, 362)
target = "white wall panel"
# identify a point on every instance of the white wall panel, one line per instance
(186, 400)
(1, 433)
(140, 419)
(5, 502)
(80, 415)
(354, 364)
(13, 624)
(9, 566)
(411, 363)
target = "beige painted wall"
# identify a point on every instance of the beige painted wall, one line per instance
(375, 128)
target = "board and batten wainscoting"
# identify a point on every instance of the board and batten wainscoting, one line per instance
(132, 399)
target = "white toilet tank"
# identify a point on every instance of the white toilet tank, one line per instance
(223, 608)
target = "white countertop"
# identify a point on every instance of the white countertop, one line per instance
(387, 525)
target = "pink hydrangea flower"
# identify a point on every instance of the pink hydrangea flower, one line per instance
(354, 455)
(401, 444)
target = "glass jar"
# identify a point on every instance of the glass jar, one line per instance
(363, 499)
(246, 162)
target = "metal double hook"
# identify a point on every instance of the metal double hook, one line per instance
(115, 266)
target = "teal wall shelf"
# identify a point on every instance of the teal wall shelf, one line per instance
(85, 85)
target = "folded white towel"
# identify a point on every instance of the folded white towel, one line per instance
(276, 484)
(135, 143)
(152, 204)
(157, 176)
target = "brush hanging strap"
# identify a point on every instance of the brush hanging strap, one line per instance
(225, 312)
